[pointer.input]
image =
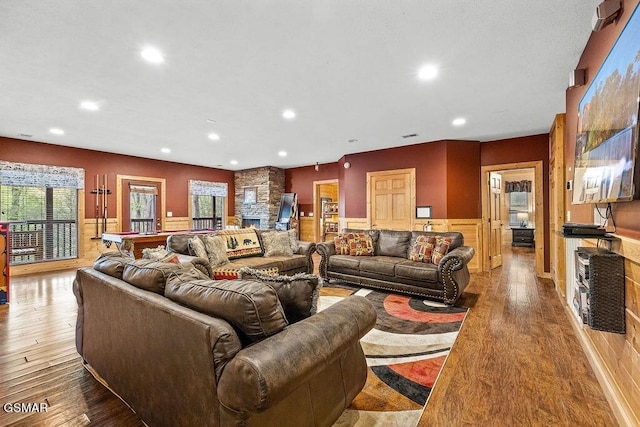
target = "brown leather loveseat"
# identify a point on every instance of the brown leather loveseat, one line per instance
(147, 331)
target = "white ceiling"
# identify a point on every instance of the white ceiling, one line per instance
(348, 68)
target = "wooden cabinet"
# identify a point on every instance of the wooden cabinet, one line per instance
(330, 223)
(522, 236)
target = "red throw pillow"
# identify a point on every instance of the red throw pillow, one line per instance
(360, 244)
(422, 249)
(440, 249)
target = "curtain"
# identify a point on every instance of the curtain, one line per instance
(29, 175)
(206, 188)
(517, 186)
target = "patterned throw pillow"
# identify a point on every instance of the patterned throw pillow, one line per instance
(360, 244)
(422, 249)
(277, 243)
(172, 258)
(440, 249)
(230, 273)
(342, 247)
(196, 247)
(155, 254)
(216, 250)
(241, 243)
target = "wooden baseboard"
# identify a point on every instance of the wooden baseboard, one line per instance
(618, 403)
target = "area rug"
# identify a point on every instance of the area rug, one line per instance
(405, 352)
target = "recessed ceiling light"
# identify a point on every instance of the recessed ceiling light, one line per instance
(234, 162)
(214, 136)
(352, 140)
(282, 153)
(427, 72)
(289, 114)
(165, 150)
(89, 105)
(153, 55)
(56, 131)
(459, 121)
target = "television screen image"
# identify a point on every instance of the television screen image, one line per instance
(607, 135)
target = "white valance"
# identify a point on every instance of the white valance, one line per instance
(206, 188)
(30, 175)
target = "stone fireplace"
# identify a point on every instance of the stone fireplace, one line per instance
(268, 183)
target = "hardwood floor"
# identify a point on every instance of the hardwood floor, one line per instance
(517, 360)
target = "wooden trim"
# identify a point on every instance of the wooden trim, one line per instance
(163, 194)
(317, 213)
(539, 214)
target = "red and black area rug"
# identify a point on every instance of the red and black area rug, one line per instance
(405, 352)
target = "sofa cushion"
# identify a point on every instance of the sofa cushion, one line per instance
(111, 263)
(155, 254)
(422, 249)
(298, 294)
(344, 263)
(276, 243)
(179, 243)
(197, 248)
(424, 272)
(440, 249)
(393, 243)
(241, 243)
(380, 265)
(250, 306)
(216, 250)
(148, 274)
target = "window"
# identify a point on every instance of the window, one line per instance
(207, 204)
(142, 208)
(41, 205)
(518, 203)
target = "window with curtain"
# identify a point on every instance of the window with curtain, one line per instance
(518, 198)
(207, 204)
(41, 204)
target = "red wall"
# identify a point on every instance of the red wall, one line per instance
(177, 175)
(626, 214)
(463, 179)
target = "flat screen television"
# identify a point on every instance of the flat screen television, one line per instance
(605, 168)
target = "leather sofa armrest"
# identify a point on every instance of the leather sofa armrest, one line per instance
(262, 374)
(325, 250)
(201, 264)
(307, 249)
(454, 272)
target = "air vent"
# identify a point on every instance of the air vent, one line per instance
(411, 135)
(24, 135)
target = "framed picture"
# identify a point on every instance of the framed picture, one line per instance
(250, 195)
(423, 211)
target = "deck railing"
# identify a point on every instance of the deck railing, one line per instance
(43, 240)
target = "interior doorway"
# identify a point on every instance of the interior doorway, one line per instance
(532, 208)
(324, 192)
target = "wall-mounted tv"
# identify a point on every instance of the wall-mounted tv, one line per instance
(605, 167)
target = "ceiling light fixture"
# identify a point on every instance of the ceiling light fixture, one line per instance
(289, 114)
(317, 167)
(282, 153)
(165, 150)
(427, 72)
(89, 105)
(56, 131)
(459, 121)
(214, 136)
(233, 162)
(153, 55)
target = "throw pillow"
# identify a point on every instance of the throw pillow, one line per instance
(360, 244)
(172, 258)
(422, 249)
(196, 247)
(155, 254)
(341, 244)
(241, 243)
(216, 250)
(251, 307)
(298, 294)
(277, 243)
(231, 272)
(440, 249)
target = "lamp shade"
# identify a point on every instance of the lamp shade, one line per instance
(522, 216)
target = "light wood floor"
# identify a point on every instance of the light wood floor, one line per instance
(516, 361)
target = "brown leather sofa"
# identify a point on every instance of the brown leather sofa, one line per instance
(300, 262)
(390, 269)
(177, 366)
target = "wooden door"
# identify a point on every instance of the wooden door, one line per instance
(495, 219)
(391, 196)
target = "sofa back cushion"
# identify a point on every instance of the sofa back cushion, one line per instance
(148, 274)
(252, 307)
(179, 243)
(111, 263)
(393, 243)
